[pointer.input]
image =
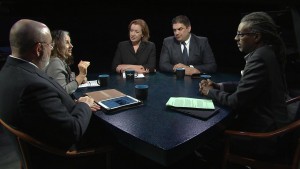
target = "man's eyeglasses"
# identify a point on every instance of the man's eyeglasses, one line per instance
(49, 44)
(240, 34)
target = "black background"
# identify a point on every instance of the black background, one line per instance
(96, 27)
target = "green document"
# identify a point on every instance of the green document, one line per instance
(186, 102)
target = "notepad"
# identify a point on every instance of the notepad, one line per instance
(92, 83)
(202, 114)
(200, 108)
(105, 94)
(185, 102)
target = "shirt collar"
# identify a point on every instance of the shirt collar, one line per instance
(24, 60)
(187, 42)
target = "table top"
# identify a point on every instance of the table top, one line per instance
(155, 131)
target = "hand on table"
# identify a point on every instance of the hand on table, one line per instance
(188, 70)
(137, 68)
(90, 102)
(205, 86)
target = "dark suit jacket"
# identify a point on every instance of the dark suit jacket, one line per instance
(200, 54)
(259, 98)
(39, 106)
(145, 55)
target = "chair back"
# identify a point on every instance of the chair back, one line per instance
(293, 106)
(289, 135)
(25, 144)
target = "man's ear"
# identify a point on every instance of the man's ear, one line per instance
(37, 49)
(189, 28)
(257, 37)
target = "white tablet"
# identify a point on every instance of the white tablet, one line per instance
(118, 102)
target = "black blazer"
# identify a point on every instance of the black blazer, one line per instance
(39, 106)
(145, 55)
(259, 98)
(200, 54)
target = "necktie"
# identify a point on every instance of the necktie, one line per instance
(184, 53)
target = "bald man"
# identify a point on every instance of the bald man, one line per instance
(34, 103)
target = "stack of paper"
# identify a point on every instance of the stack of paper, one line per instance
(185, 102)
(92, 83)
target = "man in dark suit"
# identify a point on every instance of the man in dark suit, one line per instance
(36, 104)
(186, 50)
(259, 97)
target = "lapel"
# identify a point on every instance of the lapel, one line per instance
(130, 47)
(178, 51)
(141, 48)
(192, 48)
(138, 52)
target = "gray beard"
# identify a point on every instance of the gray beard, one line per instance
(44, 63)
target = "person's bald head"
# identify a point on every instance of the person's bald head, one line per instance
(25, 33)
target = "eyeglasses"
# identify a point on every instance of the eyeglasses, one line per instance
(240, 34)
(49, 44)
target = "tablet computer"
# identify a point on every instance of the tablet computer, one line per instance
(119, 102)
